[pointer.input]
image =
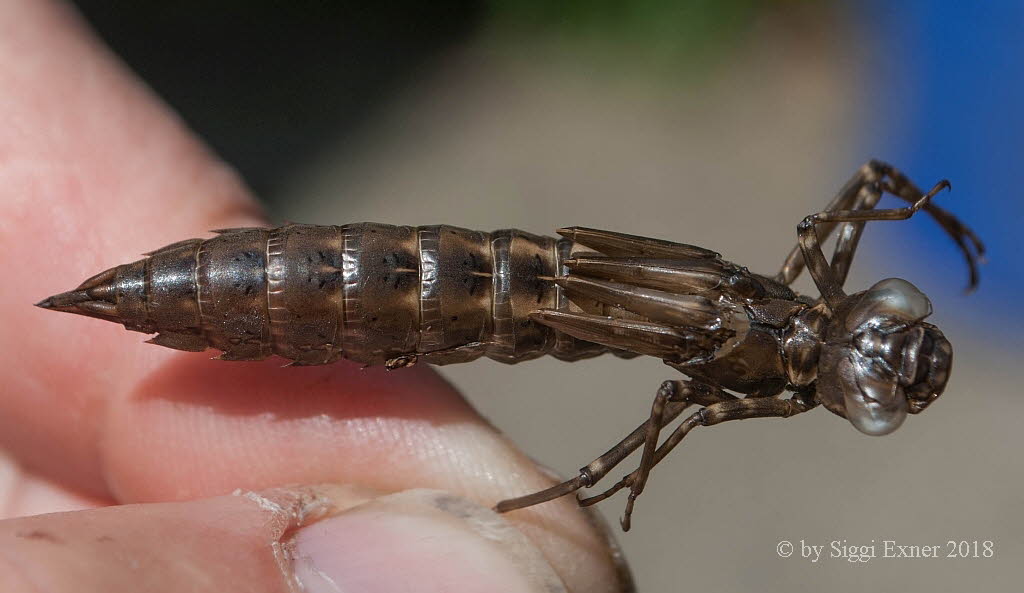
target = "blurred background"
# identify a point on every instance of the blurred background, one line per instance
(718, 123)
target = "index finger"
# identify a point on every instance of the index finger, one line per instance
(91, 168)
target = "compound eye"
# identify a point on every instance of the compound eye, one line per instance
(875, 403)
(892, 298)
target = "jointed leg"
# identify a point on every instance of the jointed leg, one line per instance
(850, 232)
(675, 397)
(828, 284)
(884, 177)
(736, 409)
(669, 391)
(654, 426)
(968, 242)
(844, 200)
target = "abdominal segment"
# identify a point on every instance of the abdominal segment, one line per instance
(365, 292)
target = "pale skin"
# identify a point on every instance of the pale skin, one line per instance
(94, 170)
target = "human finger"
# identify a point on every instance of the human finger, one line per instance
(285, 540)
(92, 167)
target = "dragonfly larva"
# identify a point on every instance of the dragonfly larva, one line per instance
(396, 295)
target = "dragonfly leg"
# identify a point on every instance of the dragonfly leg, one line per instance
(968, 242)
(821, 271)
(849, 233)
(716, 413)
(844, 200)
(676, 396)
(852, 197)
(669, 391)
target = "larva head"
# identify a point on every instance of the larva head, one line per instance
(881, 360)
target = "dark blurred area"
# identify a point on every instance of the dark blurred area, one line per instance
(267, 83)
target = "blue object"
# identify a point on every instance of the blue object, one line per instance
(946, 100)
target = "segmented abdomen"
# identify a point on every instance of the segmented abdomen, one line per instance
(366, 292)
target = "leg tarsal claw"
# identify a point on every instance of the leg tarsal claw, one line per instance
(592, 500)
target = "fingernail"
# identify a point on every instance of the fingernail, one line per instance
(418, 540)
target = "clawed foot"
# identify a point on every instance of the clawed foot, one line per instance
(625, 482)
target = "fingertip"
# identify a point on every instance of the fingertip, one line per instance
(437, 540)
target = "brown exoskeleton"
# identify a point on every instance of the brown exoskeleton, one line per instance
(382, 294)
